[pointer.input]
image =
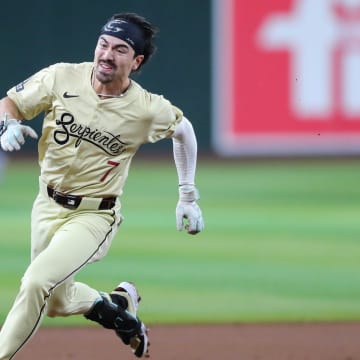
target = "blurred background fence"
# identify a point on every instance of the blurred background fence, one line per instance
(278, 77)
(35, 35)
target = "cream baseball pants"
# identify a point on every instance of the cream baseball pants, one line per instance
(63, 241)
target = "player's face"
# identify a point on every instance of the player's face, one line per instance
(114, 59)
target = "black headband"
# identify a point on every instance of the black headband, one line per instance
(127, 31)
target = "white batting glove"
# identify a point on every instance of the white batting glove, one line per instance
(188, 213)
(15, 134)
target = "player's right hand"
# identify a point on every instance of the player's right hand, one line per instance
(188, 213)
(15, 134)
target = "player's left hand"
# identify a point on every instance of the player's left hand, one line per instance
(15, 134)
(188, 212)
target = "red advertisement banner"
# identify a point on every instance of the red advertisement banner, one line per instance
(286, 77)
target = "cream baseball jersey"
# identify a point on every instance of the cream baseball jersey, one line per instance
(87, 143)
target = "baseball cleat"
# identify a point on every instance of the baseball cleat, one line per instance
(129, 291)
(135, 335)
(140, 342)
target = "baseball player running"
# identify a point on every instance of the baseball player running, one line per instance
(95, 119)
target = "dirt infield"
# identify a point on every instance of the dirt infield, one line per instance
(204, 342)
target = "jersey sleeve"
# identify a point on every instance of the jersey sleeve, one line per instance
(34, 95)
(165, 118)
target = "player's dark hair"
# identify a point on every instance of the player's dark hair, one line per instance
(149, 32)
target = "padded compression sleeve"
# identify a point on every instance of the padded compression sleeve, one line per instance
(185, 152)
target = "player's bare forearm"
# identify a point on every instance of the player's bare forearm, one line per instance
(7, 106)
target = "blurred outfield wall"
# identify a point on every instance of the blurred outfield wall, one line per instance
(275, 77)
(286, 77)
(38, 33)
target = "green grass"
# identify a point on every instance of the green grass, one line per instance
(282, 242)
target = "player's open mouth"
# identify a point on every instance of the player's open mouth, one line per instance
(106, 67)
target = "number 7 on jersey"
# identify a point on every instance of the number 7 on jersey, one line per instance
(113, 165)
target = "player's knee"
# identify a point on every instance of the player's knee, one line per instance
(55, 307)
(55, 312)
(52, 313)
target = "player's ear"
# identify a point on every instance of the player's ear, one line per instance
(137, 62)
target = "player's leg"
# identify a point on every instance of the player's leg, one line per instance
(69, 297)
(116, 310)
(77, 242)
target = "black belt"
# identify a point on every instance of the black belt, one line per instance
(73, 201)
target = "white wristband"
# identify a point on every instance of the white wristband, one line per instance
(188, 193)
